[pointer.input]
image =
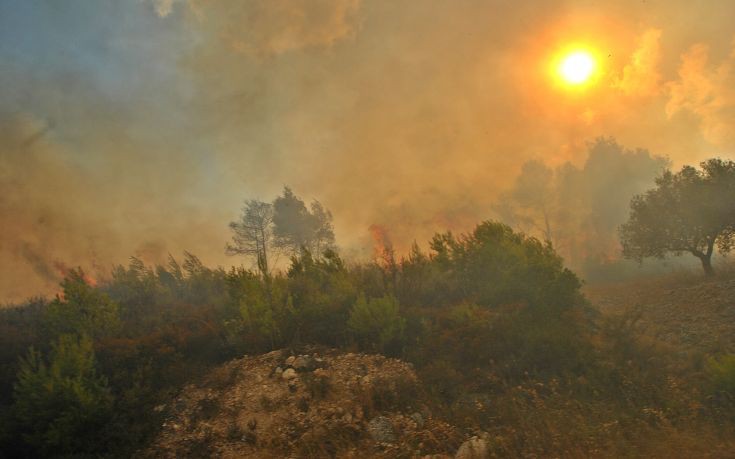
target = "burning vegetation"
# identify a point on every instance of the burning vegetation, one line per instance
(503, 352)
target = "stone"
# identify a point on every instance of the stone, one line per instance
(290, 360)
(289, 374)
(418, 419)
(304, 363)
(381, 430)
(474, 448)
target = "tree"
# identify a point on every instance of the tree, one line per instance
(688, 211)
(81, 309)
(572, 205)
(62, 403)
(253, 233)
(296, 228)
(494, 266)
(531, 198)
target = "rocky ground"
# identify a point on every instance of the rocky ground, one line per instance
(318, 404)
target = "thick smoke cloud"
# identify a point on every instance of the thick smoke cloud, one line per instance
(138, 128)
(707, 90)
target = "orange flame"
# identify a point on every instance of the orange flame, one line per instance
(63, 269)
(382, 245)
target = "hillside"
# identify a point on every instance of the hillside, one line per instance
(687, 312)
(329, 403)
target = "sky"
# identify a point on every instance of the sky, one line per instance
(138, 127)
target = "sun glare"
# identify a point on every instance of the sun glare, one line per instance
(577, 67)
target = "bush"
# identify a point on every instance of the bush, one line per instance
(61, 406)
(722, 374)
(81, 310)
(376, 323)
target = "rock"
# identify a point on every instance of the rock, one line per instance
(474, 448)
(289, 374)
(418, 419)
(304, 363)
(278, 372)
(290, 360)
(381, 430)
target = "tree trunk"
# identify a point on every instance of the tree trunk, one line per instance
(706, 257)
(707, 265)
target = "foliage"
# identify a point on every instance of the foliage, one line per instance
(320, 294)
(296, 228)
(263, 310)
(722, 374)
(283, 226)
(688, 211)
(494, 265)
(572, 206)
(376, 322)
(81, 309)
(253, 233)
(59, 402)
(493, 322)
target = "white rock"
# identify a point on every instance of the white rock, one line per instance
(474, 448)
(289, 374)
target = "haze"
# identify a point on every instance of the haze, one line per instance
(138, 128)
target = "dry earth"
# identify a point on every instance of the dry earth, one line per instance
(687, 312)
(314, 405)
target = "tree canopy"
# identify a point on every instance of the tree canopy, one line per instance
(296, 228)
(691, 211)
(285, 226)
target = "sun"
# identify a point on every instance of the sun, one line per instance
(577, 67)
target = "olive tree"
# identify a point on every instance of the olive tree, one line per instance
(692, 211)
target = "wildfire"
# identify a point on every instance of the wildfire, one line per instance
(64, 270)
(382, 245)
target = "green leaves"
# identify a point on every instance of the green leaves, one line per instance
(59, 400)
(688, 211)
(81, 310)
(376, 322)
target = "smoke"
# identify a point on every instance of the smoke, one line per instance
(708, 91)
(138, 128)
(163, 7)
(642, 76)
(576, 208)
(269, 27)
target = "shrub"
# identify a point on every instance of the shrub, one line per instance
(377, 322)
(722, 374)
(81, 310)
(61, 405)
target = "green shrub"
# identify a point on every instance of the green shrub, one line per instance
(81, 310)
(62, 405)
(376, 323)
(722, 374)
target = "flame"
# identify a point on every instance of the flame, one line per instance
(382, 245)
(64, 270)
